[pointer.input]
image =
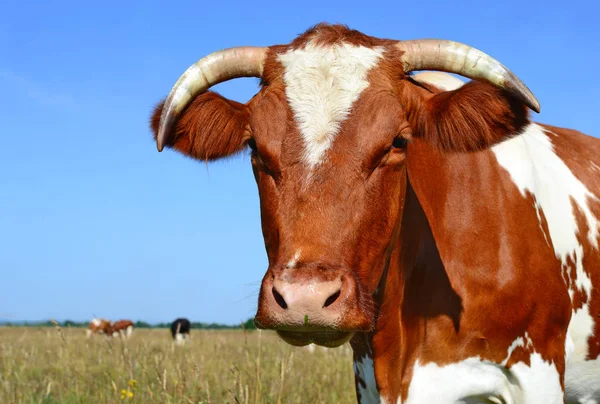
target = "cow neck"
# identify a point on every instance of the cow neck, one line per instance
(386, 342)
(415, 285)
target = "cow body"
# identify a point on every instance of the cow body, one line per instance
(97, 326)
(502, 286)
(121, 328)
(507, 275)
(180, 330)
(451, 239)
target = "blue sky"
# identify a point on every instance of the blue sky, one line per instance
(94, 221)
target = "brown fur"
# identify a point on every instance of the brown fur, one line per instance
(101, 328)
(119, 326)
(474, 117)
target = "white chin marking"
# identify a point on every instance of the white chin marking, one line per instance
(322, 83)
(364, 372)
(536, 169)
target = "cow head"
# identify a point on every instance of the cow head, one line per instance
(329, 133)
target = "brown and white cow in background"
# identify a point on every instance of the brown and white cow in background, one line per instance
(97, 326)
(122, 328)
(453, 240)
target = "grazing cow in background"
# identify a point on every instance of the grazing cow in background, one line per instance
(98, 326)
(122, 328)
(180, 330)
(450, 238)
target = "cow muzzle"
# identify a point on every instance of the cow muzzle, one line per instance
(313, 304)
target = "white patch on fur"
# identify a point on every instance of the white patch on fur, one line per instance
(129, 331)
(580, 329)
(474, 380)
(292, 263)
(180, 339)
(535, 168)
(96, 322)
(524, 342)
(364, 370)
(322, 83)
(539, 382)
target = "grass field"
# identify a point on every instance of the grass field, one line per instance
(45, 365)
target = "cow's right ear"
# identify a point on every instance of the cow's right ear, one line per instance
(210, 127)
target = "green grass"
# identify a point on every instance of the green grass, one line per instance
(45, 365)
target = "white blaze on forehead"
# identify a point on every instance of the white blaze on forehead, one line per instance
(364, 372)
(322, 83)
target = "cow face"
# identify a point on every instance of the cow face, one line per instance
(329, 134)
(330, 173)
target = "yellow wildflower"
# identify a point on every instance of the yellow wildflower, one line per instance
(132, 383)
(126, 394)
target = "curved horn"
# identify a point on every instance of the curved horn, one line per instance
(213, 69)
(455, 57)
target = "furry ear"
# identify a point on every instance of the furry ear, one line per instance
(473, 117)
(211, 127)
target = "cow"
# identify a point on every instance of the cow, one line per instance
(97, 326)
(180, 330)
(121, 328)
(449, 237)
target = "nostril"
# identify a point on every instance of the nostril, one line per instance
(279, 299)
(331, 299)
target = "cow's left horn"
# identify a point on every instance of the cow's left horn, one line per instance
(213, 69)
(455, 57)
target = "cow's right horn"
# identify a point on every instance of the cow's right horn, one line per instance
(456, 57)
(215, 68)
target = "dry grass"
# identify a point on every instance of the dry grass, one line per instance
(47, 366)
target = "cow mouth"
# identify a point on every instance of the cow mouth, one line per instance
(329, 339)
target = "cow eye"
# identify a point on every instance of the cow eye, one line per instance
(399, 143)
(252, 144)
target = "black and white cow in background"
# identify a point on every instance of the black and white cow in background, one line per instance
(180, 330)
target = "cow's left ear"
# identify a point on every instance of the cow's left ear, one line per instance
(473, 117)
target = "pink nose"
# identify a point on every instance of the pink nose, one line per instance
(312, 298)
(309, 298)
